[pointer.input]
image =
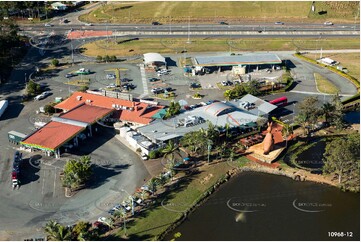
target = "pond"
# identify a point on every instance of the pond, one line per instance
(255, 206)
(312, 157)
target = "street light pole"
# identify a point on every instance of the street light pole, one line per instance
(132, 200)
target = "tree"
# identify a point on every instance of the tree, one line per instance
(237, 92)
(55, 62)
(327, 110)
(49, 109)
(252, 88)
(342, 158)
(113, 58)
(83, 88)
(121, 213)
(337, 114)
(169, 150)
(33, 88)
(286, 131)
(309, 112)
(196, 141)
(99, 58)
(153, 154)
(173, 109)
(106, 58)
(81, 231)
(56, 231)
(77, 172)
(153, 184)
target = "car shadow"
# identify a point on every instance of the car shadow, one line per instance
(29, 169)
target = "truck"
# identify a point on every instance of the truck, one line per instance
(18, 157)
(3, 106)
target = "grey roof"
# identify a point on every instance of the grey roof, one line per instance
(69, 121)
(153, 57)
(21, 135)
(217, 108)
(261, 107)
(161, 130)
(234, 60)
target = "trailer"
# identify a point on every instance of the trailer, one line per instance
(16, 137)
(3, 106)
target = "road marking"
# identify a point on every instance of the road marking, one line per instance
(42, 188)
(144, 80)
(54, 183)
(323, 94)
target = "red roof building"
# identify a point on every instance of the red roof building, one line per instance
(52, 135)
(87, 113)
(128, 111)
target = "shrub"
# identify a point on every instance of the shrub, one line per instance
(99, 58)
(83, 88)
(49, 109)
(138, 150)
(55, 62)
(113, 58)
(106, 58)
(154, 154)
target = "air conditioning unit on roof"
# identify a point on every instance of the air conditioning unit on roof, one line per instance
(78, 98)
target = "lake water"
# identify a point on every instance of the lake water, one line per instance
(255, 206)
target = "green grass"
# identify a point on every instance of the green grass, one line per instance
(324, 85)
(173, 45)
(213, 12)
(158, 219)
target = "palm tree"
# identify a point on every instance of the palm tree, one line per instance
(170, 149)
(327, 110)
(286, 131)
(56, 231)
(122, 214)
(301, 119)
(152, 184)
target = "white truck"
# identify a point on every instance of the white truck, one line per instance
(3, 105)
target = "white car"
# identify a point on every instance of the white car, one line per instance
(328, 23)
(88, 24)
(112, 85)
(110, 76)
(39, 97)
(48, 25)
(102, 219)
(144, 157)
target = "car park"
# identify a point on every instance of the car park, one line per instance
(110, 76)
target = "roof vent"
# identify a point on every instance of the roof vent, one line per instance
(78, 98)
(114, 105)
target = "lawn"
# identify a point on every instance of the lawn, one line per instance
(156, 220)
(351, 61)
(324, 85)
(214, 12)
(119, 47)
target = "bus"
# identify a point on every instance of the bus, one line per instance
(282, 101)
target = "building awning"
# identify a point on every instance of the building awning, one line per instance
(160, 114)
(168, 137)
(153, 57)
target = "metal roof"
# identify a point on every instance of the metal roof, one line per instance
(217, 108)
(261, 107)
(21, 135)
(234, 60)
(153, 57)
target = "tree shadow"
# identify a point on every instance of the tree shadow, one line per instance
(29, 170)
(101, 174)
(170, 62)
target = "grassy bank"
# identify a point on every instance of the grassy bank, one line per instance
(351, 61)
(119, 47)
(324, 85)
(155, 221)
(213, 12)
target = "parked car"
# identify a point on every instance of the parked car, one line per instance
(157, 90)
(39, 97)
(110, 76)
(144, 157)
(102, 219)
(69, 75)
(153, 79)
(168, 89)
(125, 80)
(88, 24)
(227, 83)
(195, 85)
(45, 94)
(129, 86)
(48, 25)
(83, 71)
(111, 85)
(156, 23)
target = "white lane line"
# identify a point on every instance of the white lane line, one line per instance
(54, 182)
(42, 188)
